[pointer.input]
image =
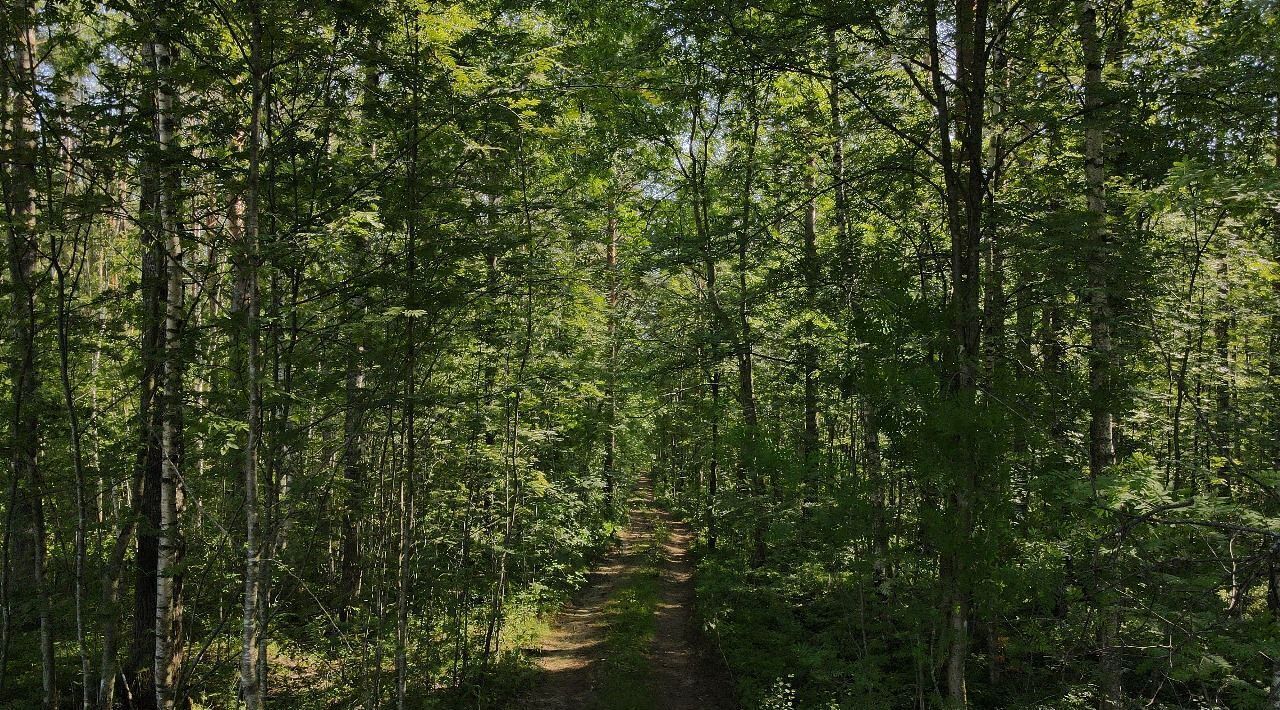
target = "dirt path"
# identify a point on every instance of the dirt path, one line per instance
(574, 659)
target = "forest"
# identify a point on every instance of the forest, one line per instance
(683, 354)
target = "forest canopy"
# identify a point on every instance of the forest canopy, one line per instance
(341, 340)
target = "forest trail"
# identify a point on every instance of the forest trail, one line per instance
(629, 641)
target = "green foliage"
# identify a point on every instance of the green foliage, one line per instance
(607, 208)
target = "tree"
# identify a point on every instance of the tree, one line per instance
(25, 541)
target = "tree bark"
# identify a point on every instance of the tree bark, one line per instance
(25, 543)
(961, 112)
(713, 465)
(839, 190)
(808, 346)
(1273, 372)
(354, 410)
(1224, 424)
(67, 276)
(168, 619)
(146, 502)
(1102, 453)
(748, 458)
(6, 536)
(1101, 425)
(407, 478)
(353, 460)
(611, 375)
(251, 690)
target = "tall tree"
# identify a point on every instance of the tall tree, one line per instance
(168, 226)
(25, 537)
(252, 659)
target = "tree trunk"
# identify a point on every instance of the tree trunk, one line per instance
(352, 463)
(809, 347)
(611, 375)
(6, 537)
(168, 619)
(403, 577)
(251, 690)
(713, 465)
(1102, 453)
(1224, 425)
(1101, 437)
(146, 503)
(964, 171)
(749, 452)
(108, 667)
(840, 192)
(1273, 606)
(1273, 372)
(148, 461)
(67, 276)
(25, 529)
(353, 412)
